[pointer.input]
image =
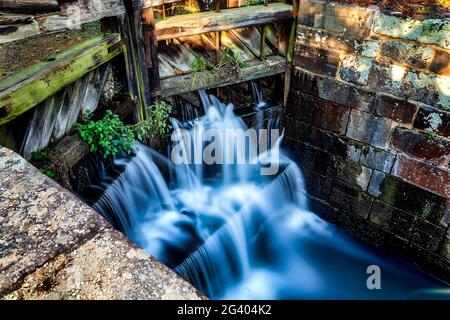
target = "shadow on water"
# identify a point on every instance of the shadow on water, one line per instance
(237, 234)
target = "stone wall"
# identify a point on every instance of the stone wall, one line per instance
(53, 246)
(369, 123)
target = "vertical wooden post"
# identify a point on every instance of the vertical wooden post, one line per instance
(132, 31)
(151, 55)
(218, 5)
(164, 11)
(287, 86)
(290, 52)
(218, 44)
(262, 43)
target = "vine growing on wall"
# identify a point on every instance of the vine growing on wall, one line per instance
(110, 135)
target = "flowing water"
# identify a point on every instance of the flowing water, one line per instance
(234, 233)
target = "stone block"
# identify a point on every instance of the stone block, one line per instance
(356, 70)
(423, 174)
(418, 144)
(323, 209)
(433, 121)
(388, 79)
(318, 112)
(107, 267)
(350, 199)
(428, 88)
(330, 41)
(333, 90)
(350, 172)
(407, 226)
(308, 9)
(395, 109)
(318, 186)
(329, 165)
(321, 139)
(370, 129)
(301, 153)
(39, 219)
(377, 159)
(376, 182)
(428, 31)
(416, 85)
(336, 17)
(406, 54)
(446, 247)
(441, 63)
(413, 199)
(317, 60)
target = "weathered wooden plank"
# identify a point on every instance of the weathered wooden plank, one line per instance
(154, 3)
(56, 116)
(30, 5)
(203, 80)
(151, 54)
(24, 90)
(211, 21)
(73, 14)
(136, 56)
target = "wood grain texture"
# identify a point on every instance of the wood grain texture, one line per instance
(73, 14)
(202, 80)
(154, 3)
(211, 21)
(29, 5)
(24, 90)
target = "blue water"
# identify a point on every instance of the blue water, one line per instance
(235, 234)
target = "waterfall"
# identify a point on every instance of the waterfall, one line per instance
(235, 233)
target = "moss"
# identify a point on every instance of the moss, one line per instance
(389, 190)
(426, 210)
(42, 80)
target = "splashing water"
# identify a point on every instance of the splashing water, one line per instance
(236, 234)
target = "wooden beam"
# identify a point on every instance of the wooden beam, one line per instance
(29, 5)
(148, 24)
(137, 56)
(154, 3)
(24, 90)
(211, 21)
(204, 80)
(73, 14)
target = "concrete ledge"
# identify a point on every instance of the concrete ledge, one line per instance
(53, 246)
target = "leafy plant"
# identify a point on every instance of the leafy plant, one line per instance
(200, 64)
(253, 2)
(230, 58)
(229, 63)
(48, 172)
(39, 156)
(158, 123)
(110, 135)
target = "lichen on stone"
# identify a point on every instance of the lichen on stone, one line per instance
(434, 121)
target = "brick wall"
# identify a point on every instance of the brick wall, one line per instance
(369, 122)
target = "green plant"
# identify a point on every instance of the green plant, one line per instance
(253, 2)
(39, 156)
(158, 123)
(230, 58)
(200, 64)
(110, 135)
(48, 172)
(159, 118)
(422, 10)
(229, 63)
